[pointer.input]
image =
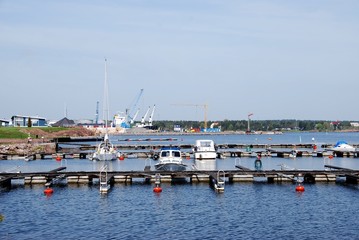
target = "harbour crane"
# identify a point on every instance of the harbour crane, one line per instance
(205, 106)
(144, 116)
(131, 110)
(151, 116)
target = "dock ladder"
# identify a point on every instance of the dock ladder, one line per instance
(104, 184)
(218, 181)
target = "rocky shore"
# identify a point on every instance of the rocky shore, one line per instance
(40, 142)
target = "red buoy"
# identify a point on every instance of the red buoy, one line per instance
(330, 156)
(300, 188)
(48, 191)
(121, 157)
(58, 158)
(157, 189)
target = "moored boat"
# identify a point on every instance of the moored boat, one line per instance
(170, 159)
(342, 146)
(204, 149)
(105, 151)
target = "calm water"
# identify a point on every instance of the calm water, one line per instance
(185, 211)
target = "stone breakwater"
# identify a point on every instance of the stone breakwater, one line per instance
(23, 149)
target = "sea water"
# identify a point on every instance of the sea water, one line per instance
(183, 210)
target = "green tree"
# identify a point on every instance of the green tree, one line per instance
(29, 123)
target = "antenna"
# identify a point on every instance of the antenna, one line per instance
(65, 110)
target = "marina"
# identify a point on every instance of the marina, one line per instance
(229, 189)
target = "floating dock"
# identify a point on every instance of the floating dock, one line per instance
(242, 175)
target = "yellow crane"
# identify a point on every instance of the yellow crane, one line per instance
(205, 106)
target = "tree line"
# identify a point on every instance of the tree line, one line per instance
(260, 125)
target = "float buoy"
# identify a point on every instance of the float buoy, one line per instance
(121, 157)
(58, 158)
(299, 188)
(330, 156)
(157, 189)
(48, 191)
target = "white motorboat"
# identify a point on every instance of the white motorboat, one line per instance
(204, 149)
(342, 146)
(170, 159)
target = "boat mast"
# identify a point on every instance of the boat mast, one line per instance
(105, 98)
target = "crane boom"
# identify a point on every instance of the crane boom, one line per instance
(151, 116)
(132, 115)
(144, 117)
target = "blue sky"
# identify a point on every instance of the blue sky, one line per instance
(276, 59)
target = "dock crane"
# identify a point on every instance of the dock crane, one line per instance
(131, 111)
(144, 116)
(151, 116)
(205, 106)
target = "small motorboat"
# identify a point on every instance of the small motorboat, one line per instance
(204, 149)
(170, 159)
(342, 146)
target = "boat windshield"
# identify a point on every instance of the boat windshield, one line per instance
(176, 154)
(168, 154)
(205, 144)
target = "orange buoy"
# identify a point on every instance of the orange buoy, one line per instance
(300, 188)
(330, 156)
(48, 191)
(121, 157)
(157, 189)
(58, 158)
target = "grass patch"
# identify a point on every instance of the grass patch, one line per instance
(17, 132)
(12, 132)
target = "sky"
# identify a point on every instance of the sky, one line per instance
(277, 59)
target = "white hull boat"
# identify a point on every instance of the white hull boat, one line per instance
(342, 146)
(170, 159)
(204, 149)
(105, 151)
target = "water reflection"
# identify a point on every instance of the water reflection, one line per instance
(210, 164)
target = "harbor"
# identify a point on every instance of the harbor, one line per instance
(65, 184)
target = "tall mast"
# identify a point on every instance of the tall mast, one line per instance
(105, 98)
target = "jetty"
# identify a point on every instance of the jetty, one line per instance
(83, 150)
(217, 177)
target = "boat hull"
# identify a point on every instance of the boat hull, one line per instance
(205, 155)
(104, 156)
(170, 167)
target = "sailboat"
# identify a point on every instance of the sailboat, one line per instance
(105, 151)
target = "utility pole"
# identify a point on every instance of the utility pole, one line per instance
(249, 119)
(96, 119)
